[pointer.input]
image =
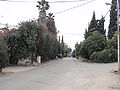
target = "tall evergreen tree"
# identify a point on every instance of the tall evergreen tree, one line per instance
(113, 19)
(92, 26)
(86, 34)
(93, 23)
(100, 26)
(59, 47)
(62, 45)
(59, 39)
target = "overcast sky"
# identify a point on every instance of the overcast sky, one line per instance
(71, 23)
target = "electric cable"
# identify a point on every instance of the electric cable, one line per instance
(74, 7)
(48, 1)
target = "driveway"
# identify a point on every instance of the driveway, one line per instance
(63, 74)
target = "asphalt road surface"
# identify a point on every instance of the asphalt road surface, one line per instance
(63, 74)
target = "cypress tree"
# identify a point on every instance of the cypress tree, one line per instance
(92, 26)
(100, 26)
(86, 34)
(93, 23)
(62, 46)
(113, 20)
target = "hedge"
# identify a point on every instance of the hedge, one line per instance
(105, 56)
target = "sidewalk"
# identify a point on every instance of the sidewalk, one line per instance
(15, 69)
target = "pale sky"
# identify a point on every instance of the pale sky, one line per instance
(71, 23)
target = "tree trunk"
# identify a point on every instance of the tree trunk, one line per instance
(0, 69)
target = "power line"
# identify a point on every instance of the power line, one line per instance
(8, 25)
(74, 7)
(106, 13)
(36, 1)
(18, 1)
(67, 1)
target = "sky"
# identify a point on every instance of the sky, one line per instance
(71, 24)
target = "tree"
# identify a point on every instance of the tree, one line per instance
(95, 25)
(100, 26)
(17, 48)
(28, 32)
(51, 24)
(112, 43)
(73, 53)
(62, 45)
(77, 49)
(86, 35)
(93, 43)
(92, 26)
(113, 20)
(50, 47)
(105, 56)
(67, 50)
(3, 54)
(23, 43)
(59, 47)
(42, 6)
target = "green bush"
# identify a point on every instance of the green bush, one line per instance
(94, 56)
(3, 54)
(112, 43)
(94, 43)
(105, 56)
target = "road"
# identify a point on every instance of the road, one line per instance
(63, 74)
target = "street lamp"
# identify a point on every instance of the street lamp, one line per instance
(108, 3)
(117, 33)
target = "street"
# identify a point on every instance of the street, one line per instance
(63, 74)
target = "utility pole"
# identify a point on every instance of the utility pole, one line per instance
(118, 1)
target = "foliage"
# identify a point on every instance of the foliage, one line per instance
(86, 35)
(112, 43)
(43, 5)
(77, 49)
(51, 25)
(50, 16)
(23, 44)
(95, 25)
(67, 50)
(50, 47)
(3, 54)
(113, 20)
(73, 53)
(94, 56)
(31, 39)
(62, 46)
(92, 27)
(94, 43)
(105, 56)
(100, 26)
(16, 51)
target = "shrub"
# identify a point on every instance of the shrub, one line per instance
(94, 56)
(105, 56)
(112, 43)
(108, 56)
(3, 54)
(94, 43)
